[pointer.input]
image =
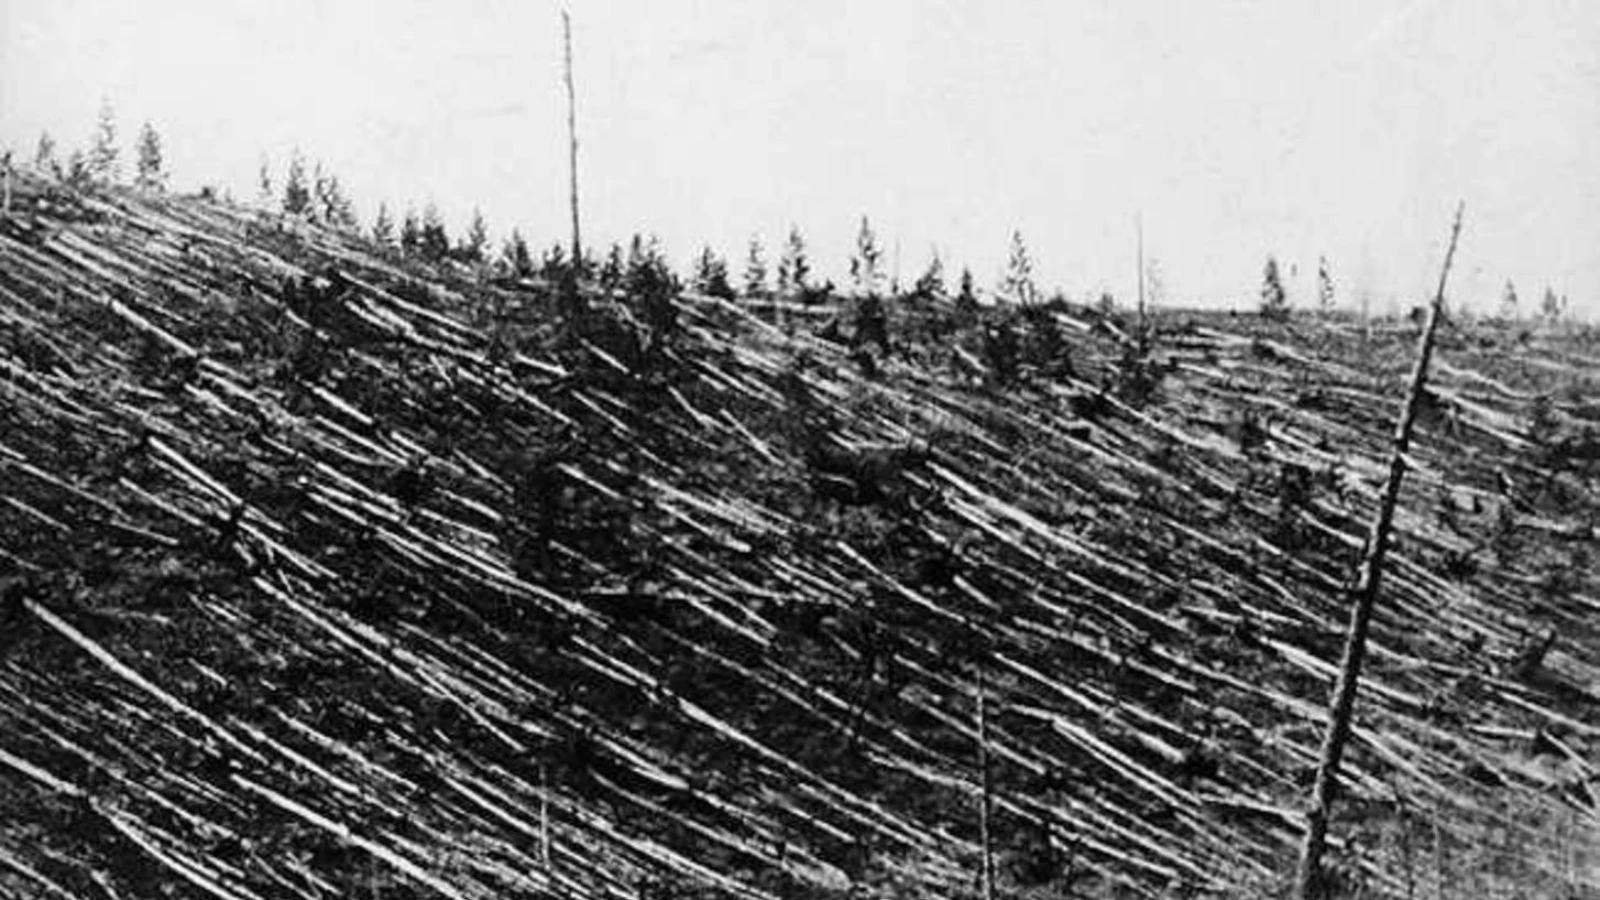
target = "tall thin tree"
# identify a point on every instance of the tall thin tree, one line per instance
(1138, 227)
(1309, 882)
(572, 135)
(296, 191)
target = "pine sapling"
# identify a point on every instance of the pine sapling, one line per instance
(865, 265)
(102, 159)
(152, 175)
(755, 271)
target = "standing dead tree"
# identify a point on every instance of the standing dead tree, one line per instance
(5, 184)
(1309, 883)
(572, 304)
(1143, 329)
(572, 135)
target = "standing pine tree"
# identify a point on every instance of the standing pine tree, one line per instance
(613, 268)
(151, 175)
(472, 246)
(755, 271)
(410, 234)
(515, 256)
(44, 155)
(343, 213)
(435, 243)
(711, 275)
(553, 265)
(865, 265)
(296, 193)
(1552, 307)
(966, 301)
(637, 257)
(1324, 286)
(102, 160)
(1274, 302)
(794, 269)
(320, 201)
(930, 284)
(1018, 283)
(383, 228)
(335, 206)
(1508, 302)
(652, 288)
(784, 286)
(647, 265)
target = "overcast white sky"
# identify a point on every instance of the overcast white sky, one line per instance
(1296, 127)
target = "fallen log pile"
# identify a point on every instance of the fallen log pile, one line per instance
(328, 572)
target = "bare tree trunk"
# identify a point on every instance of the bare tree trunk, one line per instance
(5, 184)
(571, 305)
(1139, 229)
(572, 139)
(894, 280)
(1308, 879)
(985, 804)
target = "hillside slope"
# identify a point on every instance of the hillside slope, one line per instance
(331, 574)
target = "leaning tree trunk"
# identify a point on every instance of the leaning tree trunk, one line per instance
(1308, 879)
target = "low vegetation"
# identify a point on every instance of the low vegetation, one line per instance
(338, 567)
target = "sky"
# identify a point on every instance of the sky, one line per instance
(1231, 129)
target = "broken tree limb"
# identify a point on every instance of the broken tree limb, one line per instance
(1308, 878)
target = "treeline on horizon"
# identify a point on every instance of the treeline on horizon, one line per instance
(319, 197)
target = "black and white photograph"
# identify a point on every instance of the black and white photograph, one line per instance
(713, 450)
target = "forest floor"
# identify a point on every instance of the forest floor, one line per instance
(328, 574)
